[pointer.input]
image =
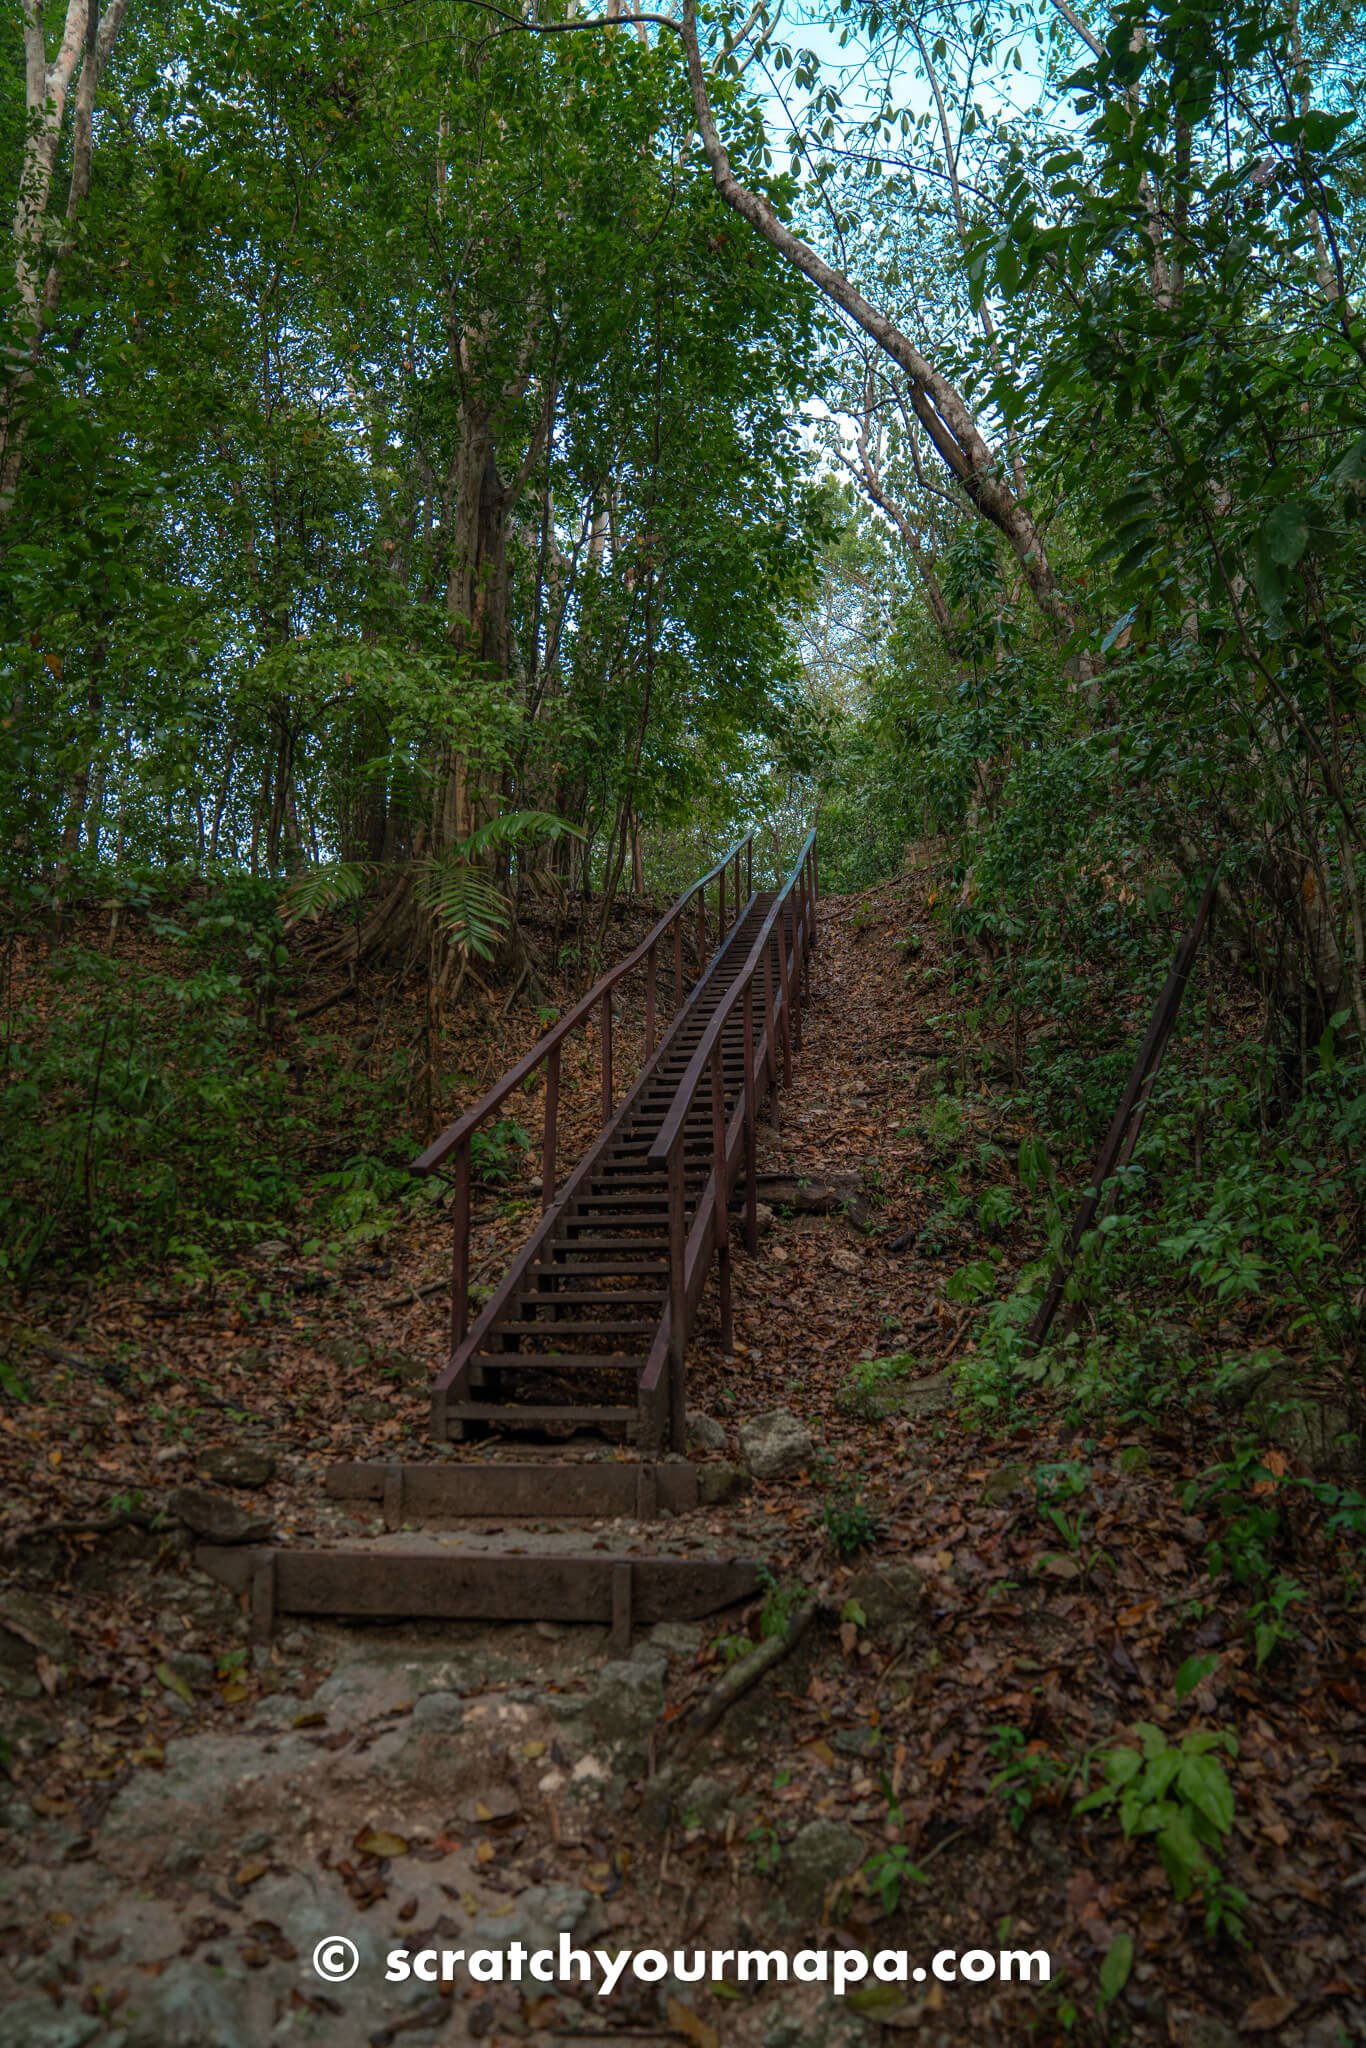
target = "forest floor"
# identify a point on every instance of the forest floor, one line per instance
(185, 1817)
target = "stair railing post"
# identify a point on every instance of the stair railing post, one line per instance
(749, 865)
(550, 1131)
(784, 999)
(721, 1202)
(606, 1038)
(721, 904)
(678, 965)
(460, 1247)
(770, 1037)
(649, 1002)
(678, 1306)
(701, 931)
(751, 1145)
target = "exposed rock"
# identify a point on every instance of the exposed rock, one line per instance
(890, 1595)
(1006, 1480)
(538, 1918)
(718, 1482)
(270, 1249)
(704, 1803)
(706, 1435)
(37, 2023)
(236, 1465)
(189, 2006)
(216, 1517)
(1276, 1404)
(438, 1713)
(628, 1698)
(930, 1396)
(775, 1444)
(28, 1630)
(823, 1852)
(407, 1369)
(197, 1671)
(348, 1352)
(677, 1638)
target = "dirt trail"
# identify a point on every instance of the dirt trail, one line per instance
(187, 1818)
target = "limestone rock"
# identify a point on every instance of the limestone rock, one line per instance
(1005, 1481)
(538, 1918)
(28, 1630)
(218, 1518)
(890, 1595)
(196, 1670)
(628, 1699)
(706, 1435)
(677, 1638)
(438, 1713)
(704, 1803)
(823, 1852)
(718, 1482)
(189, 2006)
(775, 1444)
(928, 1396)
(236, 1465)
(37, 2023)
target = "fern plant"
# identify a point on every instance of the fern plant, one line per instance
(467, 904)
(325, 888)
(454, 886)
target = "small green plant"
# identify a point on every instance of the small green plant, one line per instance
(942, 1123)
(765, 1849)
(1179, 1793)
(1029, 1774)
(850, 1524)
(1055, 1486)
(780, 1604)
(996, 1210)
(870, 1392)
(887, 1873)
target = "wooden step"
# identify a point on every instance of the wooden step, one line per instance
(561, 1361)
(583, 1297)
(413, 1581)
(564, 1489)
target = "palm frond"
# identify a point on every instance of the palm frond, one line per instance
(471, 910)
(512, 828)
(325, 888)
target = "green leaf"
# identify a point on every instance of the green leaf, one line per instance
(1193, 1672)
(1204, 1783)
(1114, 1971)
(325, 888)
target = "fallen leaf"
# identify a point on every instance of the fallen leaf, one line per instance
(173, 1682)
(1264, 2015)
(685, 2021)
(378, 1842)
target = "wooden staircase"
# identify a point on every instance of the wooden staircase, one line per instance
(586, 1330)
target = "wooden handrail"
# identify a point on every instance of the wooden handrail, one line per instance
(457, 1137)
(465, 1126)
(690, 1248)
(672, 1125)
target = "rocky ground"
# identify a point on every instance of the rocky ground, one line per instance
(976, 1611)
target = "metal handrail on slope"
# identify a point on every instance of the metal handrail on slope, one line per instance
(456, 1138)
(734, 1137)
